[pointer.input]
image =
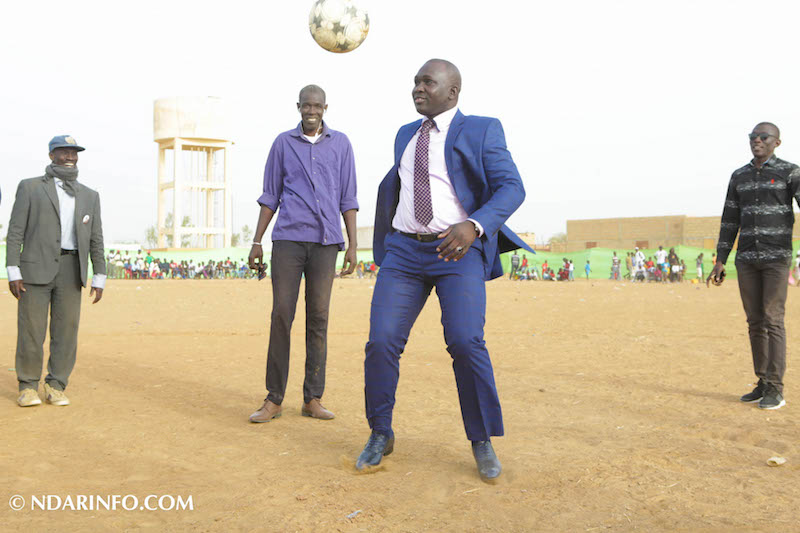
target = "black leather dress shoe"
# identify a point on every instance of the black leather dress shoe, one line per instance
(488, 465)
(377, 446)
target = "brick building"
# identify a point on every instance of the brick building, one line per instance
(646, 232)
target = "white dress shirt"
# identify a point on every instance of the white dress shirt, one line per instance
(447, 209)
(66, 204)
(69, 238)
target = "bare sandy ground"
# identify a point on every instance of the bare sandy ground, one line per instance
(620, 401)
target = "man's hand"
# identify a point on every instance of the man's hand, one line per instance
(97, 292)
(350, 260)
(717, 275)
(457, 240)
(16, 288)
(256, 252)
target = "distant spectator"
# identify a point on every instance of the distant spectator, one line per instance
(514, 265)
(650, 268)
(661, 257)
(674, 265)
(628, 265)
(700, 267)
(638, 258)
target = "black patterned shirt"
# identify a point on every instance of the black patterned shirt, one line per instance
(759, 208)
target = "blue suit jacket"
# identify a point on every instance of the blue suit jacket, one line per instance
(485, 179)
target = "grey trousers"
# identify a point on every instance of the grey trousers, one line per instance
(763, 289)
(290, 261)
(62, 297)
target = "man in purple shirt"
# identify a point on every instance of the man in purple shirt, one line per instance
(310, 174)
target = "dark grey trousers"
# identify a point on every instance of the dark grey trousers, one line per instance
(62, 297)
(290, 261)
(763, 288)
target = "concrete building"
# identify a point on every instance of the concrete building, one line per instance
(646, 232)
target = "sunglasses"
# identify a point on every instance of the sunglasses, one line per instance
(762, 136)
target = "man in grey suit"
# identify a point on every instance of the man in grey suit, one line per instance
(55, 226)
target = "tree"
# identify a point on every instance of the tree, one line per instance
(186, 240)
(235, 240)
(558, 238)
(151, 237)
(247, 233)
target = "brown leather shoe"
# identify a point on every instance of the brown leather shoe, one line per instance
(267, 412)
(314, 409)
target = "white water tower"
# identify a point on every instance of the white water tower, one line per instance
(194, 141)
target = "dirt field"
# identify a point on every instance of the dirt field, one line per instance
(620, 402)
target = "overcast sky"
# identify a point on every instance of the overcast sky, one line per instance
(610, 108)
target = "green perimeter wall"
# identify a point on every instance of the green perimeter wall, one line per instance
(599, 259)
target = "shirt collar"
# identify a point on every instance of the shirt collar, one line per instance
(770, 161)
(298, 132)
(444, 119)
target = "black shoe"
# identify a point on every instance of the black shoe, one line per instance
(488, 465)
(377, 446)
(772, 398)
(754, 396)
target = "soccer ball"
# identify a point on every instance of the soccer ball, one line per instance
(338, 25)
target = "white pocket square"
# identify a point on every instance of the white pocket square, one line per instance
(85, 219)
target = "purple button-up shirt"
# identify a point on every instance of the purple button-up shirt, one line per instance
(312, 184)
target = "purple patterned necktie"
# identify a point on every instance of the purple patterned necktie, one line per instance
(423, 208)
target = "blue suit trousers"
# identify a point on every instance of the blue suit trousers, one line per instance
(408, 273)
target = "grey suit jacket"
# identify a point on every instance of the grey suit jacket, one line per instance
(34, 231)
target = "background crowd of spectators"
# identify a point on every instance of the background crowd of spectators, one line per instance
(666, 266)
(663, 266)
(124, 265)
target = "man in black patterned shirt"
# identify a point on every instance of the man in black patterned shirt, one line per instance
(759, 207)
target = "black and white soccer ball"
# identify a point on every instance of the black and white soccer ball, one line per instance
(338, 25)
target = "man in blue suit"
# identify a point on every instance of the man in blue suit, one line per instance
(440, 223)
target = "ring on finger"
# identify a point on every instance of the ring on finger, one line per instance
(459, 248)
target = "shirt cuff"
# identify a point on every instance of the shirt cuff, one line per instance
(99, 281)
(347, 205)
(477, 225)
(268, 200)
(14, 274)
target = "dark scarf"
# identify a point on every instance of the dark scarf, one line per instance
(69, 175)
